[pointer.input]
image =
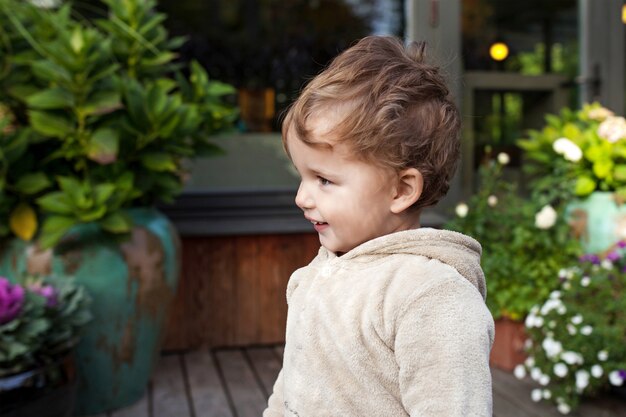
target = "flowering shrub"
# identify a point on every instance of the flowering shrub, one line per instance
(40, 318)
(577, 335)
(525, 241)
(580, 151)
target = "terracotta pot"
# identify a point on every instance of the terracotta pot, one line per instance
(508, 346)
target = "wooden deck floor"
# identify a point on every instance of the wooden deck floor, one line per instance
(237, 382)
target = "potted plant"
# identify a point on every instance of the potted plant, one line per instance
(97, 122)
(577, 334)
(40, 322)
(525, 242)
(583, 154)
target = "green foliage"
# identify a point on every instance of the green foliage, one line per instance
(522, 252)
(582, 150)
(96, 117)
(48, 323)
(577, 334)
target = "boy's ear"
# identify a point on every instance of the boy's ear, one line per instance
(408, 190)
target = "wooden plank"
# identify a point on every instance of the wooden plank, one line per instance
(207, 392)
(266, 366)
(280, 351)
(138, 409)
(168, 389)
(246, 394)
(507, 386)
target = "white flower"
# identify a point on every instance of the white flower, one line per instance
(585, 281)
(535, 395)
(492, 200)
(552, 324)
(545, 218)
(582, 380)
(530, 361)
(597, 371)
(567, 148)
(555, 294)
(533, 321)
(45, 4)
(603, 355)
(563, 408)
(503, 158)
(547, 394)
(615, 378)
(561, 309)
(544, 380)
(560, 369)
(600, 113)
(551, 347)
(572, 358)
(566, 285)
(535, 374)
(520, 372)
(606, 264)
(612, 129)
(571, 329)
(551, 304)
(586, 330)
(577, 319)
(461, 210)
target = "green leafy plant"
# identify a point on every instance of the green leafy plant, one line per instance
(96, 117)
(40, 319)
(582, 151)
(577, 334)
(525, 240)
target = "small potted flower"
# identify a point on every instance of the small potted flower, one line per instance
(40, 324)
(582, 155)
(578, 333)
(525, 242)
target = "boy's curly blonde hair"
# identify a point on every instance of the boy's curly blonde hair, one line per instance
(395, 111)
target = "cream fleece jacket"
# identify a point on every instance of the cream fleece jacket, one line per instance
(395, 327)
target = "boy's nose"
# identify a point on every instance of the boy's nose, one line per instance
(303, 198)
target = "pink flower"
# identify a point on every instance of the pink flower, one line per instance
(47, 292)
(11, 300)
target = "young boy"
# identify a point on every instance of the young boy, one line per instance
(389, 319)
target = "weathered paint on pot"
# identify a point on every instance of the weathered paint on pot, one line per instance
(132, 284)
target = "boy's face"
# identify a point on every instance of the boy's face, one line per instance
(348, 200)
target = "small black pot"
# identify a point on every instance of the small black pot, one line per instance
(48, 391)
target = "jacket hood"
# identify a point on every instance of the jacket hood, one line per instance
(457, 250)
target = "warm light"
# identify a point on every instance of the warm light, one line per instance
(624, 14)
(499, 51)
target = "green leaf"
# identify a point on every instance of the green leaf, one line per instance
(620, 172)
(116, 223)
(158, 161)
(102, 192)
(77, 41)
(584, 186)
(103, 146)
(54, 227)
(103, 102)
(49, 124)
(32, 183)
(51, 72)
(51, 99)
(602, 168)
(217, 88)
(56, 202)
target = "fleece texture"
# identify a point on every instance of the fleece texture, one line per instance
(396, 327)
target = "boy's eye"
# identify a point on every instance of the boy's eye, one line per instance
(323, 181)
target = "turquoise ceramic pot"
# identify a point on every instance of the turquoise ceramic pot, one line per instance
(598, 220)
(131, 283)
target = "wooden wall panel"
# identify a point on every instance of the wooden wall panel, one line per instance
(232, 289)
